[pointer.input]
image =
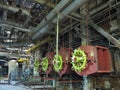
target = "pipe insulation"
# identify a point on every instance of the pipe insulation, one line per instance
(52, 14)
(14, 9)
(18, 28)
(72, 7)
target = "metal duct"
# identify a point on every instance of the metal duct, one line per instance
(72, 7)
(14, 9)
(51, 15)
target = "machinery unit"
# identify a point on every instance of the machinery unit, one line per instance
(47, 62)
(88, 60)
(61, 64)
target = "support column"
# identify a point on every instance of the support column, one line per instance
(84, 25)
(85, 41)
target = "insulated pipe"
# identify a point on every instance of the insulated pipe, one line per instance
(51, 15)
(14, 9)
(49, 4)
(18, 28)
(72, 7)
(39, 44)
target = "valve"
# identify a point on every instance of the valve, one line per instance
(79, 60)
(44, 64)
(57, 63)
(36, 64)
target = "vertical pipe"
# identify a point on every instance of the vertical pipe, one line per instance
(71, 87)
(27, 21)
(85, 83)
(5, 15)
(57, 35)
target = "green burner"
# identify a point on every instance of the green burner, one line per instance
(44, 64)
(57, 63)
(36, 65)
(79, 60)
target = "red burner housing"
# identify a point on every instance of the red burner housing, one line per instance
(50, 56)
(66, 57)
(98, 60)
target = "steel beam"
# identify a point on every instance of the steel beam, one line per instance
(105, 34)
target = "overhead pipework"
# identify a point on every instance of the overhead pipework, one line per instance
(51, 15)
(72, 7)
(14, 9)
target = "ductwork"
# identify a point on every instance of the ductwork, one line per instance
(72, 7)
(51, 15)
(14, 9)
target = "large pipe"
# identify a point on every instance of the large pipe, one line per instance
(49, 4)
(105, 34)
(14, 9)
(15, 44)
(39, 44)
(18, 28)
(51, 15)
(72, 7)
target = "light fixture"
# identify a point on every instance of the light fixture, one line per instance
(10, 40)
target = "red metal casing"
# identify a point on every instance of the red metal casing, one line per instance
(50, 56)
(66, 57)
(98, 60)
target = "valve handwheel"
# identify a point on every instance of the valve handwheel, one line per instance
(36, 65)
(44, 64)
(57, 63)
(79, 60)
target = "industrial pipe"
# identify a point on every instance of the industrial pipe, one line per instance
(49, 4)
(14, 9)
(51, 15)
(18, 28)
(38, 44)
(72, 7)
